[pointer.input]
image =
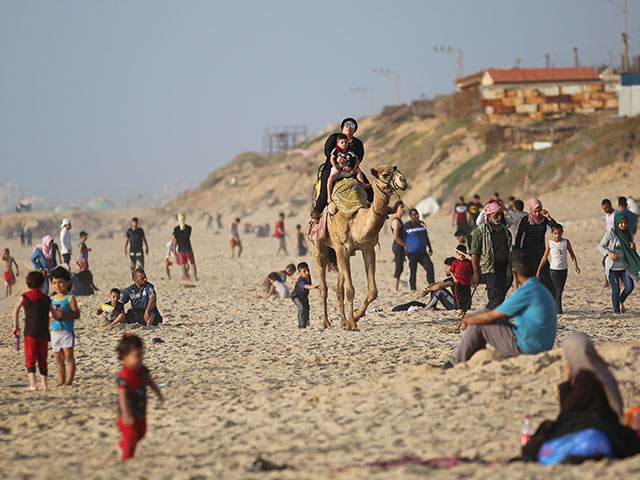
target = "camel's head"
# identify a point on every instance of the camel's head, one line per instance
(389, 178)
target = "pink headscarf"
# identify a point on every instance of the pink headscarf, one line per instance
(83, 264)
(46, 247)
(533, 204)
(493, 207)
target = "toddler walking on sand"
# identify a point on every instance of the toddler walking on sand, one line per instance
(37, 307)
(132, 382)
(300, 294)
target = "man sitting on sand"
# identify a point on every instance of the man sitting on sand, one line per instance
(534, 313)
(142, 295)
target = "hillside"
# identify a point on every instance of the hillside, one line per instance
(443, 159)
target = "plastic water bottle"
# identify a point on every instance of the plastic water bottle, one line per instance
(527, 430)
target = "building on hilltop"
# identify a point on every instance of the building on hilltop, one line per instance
(540, 92)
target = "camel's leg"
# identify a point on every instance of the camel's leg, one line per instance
(321, 260)
(344, 266)
(372, 290)
(340, 295)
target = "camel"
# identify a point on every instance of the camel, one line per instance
(360, 232)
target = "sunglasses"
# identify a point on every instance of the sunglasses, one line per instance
(350, 125)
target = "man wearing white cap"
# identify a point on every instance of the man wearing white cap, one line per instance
(65, 241)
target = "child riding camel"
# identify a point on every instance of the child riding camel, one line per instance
(345, 164)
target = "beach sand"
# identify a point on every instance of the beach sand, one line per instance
(243, 381)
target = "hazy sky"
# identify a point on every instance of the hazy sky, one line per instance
(104, 98)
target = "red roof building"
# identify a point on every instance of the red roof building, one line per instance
(539, 92)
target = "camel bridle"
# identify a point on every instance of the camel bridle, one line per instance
(390, 185)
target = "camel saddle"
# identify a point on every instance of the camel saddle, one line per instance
(349, 197)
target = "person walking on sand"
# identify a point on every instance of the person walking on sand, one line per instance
(419, 249)
(301, 243)
(632, 218)
(460, 218)
(9, 277)
(535, 322)
(531, 238)
(37, 308)
(490, 255)
(234, 238)
(182, 239)
(132, 382)
(300, 294)
(135, 240)
(281, 234)
(609, 213)
(65, 241)
(622, 262)
(557, 254)
(400, 249)
(29, 237)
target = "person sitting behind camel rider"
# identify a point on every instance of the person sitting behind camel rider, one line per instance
(344, 165)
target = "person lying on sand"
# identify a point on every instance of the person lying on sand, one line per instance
(533, 309)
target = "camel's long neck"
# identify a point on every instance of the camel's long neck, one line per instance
(378, 211)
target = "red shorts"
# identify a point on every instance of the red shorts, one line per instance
(131, 435)
(35, 350)
(9, 278)
(185, 257)
(235, 243)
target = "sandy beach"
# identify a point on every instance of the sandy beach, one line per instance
(242, 381)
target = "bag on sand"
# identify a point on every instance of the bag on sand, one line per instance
(589, 444)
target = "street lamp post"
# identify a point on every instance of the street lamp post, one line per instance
(455, 53)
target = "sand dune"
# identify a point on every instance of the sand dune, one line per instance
(243, 381)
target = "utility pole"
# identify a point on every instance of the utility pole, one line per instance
(455, 53)
(364, 91)
(625, 34)
(385, 72)
(547, 61)
(576, 61)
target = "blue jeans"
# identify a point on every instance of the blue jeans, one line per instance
(614, 280)
(303, 312)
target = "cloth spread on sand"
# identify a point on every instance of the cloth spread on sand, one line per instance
(440, 462)
(349, 196)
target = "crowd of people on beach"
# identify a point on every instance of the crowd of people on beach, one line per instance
(497, 244)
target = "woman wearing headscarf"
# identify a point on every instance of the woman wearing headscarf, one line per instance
(82, 282)
(589, 398)
(349, 127)
(531, 238)
(621, 262)
(44, 259)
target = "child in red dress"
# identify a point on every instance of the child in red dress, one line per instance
(132, 383)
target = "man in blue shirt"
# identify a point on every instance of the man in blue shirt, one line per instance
(418, 249)
(142, 296)
(632, 218)
(533, 310)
